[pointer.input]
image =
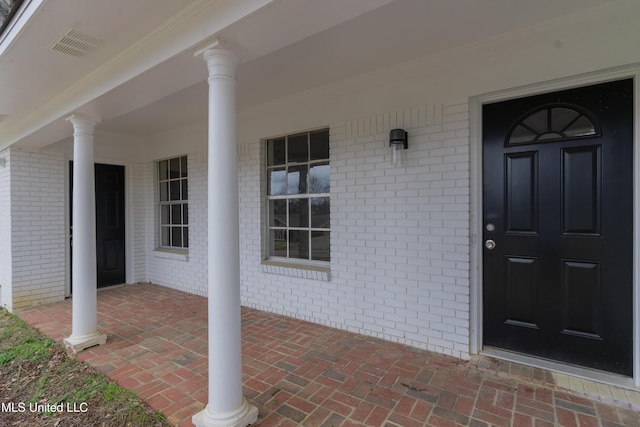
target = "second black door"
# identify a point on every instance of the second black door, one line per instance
(110, 231)
(110, 223)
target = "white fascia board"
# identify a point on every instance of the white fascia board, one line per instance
(201, 20)
(18, 23)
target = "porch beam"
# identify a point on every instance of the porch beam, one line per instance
(84, 329)
(226, 405)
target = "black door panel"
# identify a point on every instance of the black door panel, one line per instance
(559, 193)
(110, 223)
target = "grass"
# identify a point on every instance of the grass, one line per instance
(37, 378)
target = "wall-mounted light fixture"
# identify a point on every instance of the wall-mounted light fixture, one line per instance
(398, 142)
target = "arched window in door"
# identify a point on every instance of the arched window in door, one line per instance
(552, 123)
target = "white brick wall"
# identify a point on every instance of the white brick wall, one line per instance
(399, 242)
(399, 236)
(141, 176)
(5, 230)
(37, 227)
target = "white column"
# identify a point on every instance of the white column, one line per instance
(84, 329)
(227, 405)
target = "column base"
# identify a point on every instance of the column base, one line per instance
(77, 344)
(245, 415)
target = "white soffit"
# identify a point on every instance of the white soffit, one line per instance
(365, 37)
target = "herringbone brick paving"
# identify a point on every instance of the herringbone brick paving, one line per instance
(302, 374)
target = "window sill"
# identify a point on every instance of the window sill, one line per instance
(171, 254)
(305, 271)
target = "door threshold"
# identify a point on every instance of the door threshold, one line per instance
(102, 288)
(105, 287)
(607, 387)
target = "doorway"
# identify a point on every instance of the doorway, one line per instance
(558, 226)
(110, 223)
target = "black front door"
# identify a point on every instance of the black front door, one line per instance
(110, 224)
(557, 221)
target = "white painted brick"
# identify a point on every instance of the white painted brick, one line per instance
(399, 236)
(438, 164)
(33, 224)
(6, 291)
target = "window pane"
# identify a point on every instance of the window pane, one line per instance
(320, 212)
(298, 148)
(165, 236)
(176, 214)
(538, 122)
(173, 211)
(581, 127)
(276, 182)
(278, 243)
(164, 191)
(319, 178)
(176, 237)
(174, 190)
(277, 213)
(551, 124)
(185, 190)
(319, 142)
(297, 179)
(522, 134)
(275, 152)
(174, 168)
(298, 165)
(298, 212)
(562, 117)
(298, 244)
(183, 166)
(163, 168)
(164, 214)
(320, 247)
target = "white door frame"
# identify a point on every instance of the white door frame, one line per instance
(475, 124)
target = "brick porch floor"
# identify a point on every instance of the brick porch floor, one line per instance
(299, 373)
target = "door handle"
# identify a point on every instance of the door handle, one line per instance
(489, 244)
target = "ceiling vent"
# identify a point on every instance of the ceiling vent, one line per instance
(76, 43)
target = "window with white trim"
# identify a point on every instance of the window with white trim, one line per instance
(173, 203)
(298, 226)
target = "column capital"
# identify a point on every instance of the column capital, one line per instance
(213, 43)
(83, 123)
(221, 60)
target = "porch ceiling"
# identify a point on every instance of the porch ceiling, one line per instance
(141, 84)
